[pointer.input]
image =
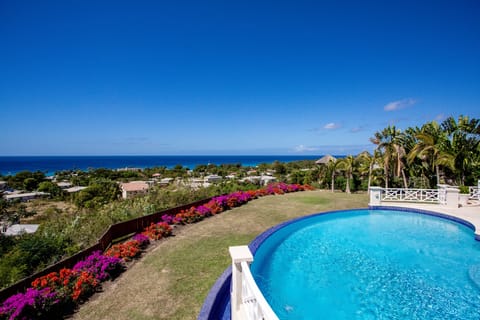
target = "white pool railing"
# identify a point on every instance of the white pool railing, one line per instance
(444, 195)
(414, 195)
(247, 301)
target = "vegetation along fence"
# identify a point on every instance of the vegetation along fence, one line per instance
(115, 231)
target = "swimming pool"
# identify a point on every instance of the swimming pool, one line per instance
(370, 264)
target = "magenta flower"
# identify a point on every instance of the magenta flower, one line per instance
(100, 266)
(27, 305)
(167, 218)
(142, 239)
(203, 211)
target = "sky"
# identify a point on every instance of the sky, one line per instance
(230, 77)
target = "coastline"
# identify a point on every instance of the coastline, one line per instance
(10, 165)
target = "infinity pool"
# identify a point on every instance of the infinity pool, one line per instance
(371, 264)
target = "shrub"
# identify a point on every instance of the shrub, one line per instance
(142, 239)
(33, 304)
(126, 251)
(158, 230)
(101, 266)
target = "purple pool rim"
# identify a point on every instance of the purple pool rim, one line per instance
(218, 299)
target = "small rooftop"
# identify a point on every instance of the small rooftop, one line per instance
(17, 229)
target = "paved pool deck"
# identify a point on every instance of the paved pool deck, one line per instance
(469, 213)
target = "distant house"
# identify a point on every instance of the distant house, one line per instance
(3, 185)
(252, 179)
(265, 180)
(75, 189)
(261, 180)
(213, 178)
(129, 169)
(18, 229)
(165, 181)
(25, 196)
(64, 184)
(132, 189)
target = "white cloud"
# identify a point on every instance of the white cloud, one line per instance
(302, 148)
(331, 126)
(399, 104)
(357, 129)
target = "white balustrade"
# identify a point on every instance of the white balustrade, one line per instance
(247, 301)
(445, 195)
(412, 195)
(474, 193)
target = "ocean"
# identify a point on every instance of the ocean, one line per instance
(10, 165)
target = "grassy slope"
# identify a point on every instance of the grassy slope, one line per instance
(172, 280)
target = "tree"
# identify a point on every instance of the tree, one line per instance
(53, 189)
(279, 168)
(331, 168)
(26, 180)
(432, 148)
(464, 145)
(389, 144)
(347, 164)
(99, 192)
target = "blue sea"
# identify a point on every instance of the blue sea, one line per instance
(10, 165)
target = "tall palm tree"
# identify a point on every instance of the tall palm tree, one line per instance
(432, 148)
(464, 137)
(388, 143)
(347, 164)
(332, 168)
(367, 163)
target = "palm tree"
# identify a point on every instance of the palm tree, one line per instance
(326, 169)
(367, 163)
(432, 148)
(347, 164)
(332, 168)
(389, 144)
(464, 144)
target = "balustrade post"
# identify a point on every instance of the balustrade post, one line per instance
(452, 197)
(239, 254)
(375, 196)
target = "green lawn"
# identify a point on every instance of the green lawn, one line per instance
(174, 276)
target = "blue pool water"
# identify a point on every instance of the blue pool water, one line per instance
(371, 264)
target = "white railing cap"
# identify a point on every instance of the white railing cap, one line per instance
(240, 254)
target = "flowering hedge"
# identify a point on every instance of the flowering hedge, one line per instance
(51, 295)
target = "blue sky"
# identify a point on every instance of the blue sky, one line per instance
(230, 77)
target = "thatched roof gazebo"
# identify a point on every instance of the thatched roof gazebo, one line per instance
(326, 159)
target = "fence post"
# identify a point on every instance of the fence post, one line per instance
(375, 196)
(239, 254)
(452, 197)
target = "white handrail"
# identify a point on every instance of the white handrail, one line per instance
(258, 306)
(247, 301)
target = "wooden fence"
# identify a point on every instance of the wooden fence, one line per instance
(115, 231)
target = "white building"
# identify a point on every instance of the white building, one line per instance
(64, 184)
(213, 178)
(18, 229)
(25, 196)
(75, 189)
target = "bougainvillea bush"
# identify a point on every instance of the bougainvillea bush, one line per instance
(101, 266)
(33, 304)
(157, 231)
(126, 251)
(56, 292)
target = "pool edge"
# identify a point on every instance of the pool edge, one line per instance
(215, 302)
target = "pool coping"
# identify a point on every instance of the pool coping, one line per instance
(219, 296)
